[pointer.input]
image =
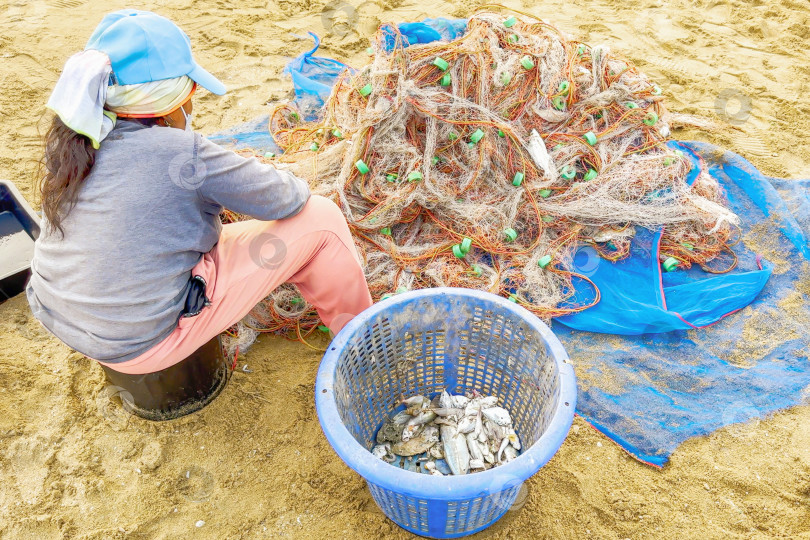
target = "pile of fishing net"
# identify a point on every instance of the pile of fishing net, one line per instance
(486, 161)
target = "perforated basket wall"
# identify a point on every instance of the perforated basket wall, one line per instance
(421, 343)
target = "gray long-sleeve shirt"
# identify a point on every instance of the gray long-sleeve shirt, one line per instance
(117, 281)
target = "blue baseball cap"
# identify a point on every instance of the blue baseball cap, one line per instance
(145, 47)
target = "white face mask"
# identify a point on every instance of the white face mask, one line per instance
(189, 118)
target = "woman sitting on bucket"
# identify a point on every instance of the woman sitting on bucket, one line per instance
(133, 267)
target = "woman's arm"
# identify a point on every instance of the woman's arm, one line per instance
(246, 185)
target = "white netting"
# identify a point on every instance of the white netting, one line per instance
(525, 147)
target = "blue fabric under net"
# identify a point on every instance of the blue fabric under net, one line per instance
(637, 297)
(253, 135)
(652, 391)
(666, 356)
(427, 31)
(313, 76)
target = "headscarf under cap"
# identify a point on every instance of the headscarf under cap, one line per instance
(150, 99)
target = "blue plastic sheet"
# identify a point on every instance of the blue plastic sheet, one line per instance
(638, 297)
(651, 392)
(313, 76)
(253, 135)
(427, 31)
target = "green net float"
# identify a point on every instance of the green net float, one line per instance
(547, 219)
(630, 105)
(669, 160)
(558, 102)
(296, 300)
(457, 251)
(477, 135)
(527, 62)
(656, 91)
(506, 78)
(513, 38)
(580, 50)
(313, 147)
(476, 270)
(446, 80)
(544, 261)
(688, 246)
(434, 160)
(401, 290)
(452, 136)
(366, 90)
(269, 155)
(323, 328)
(545, 193)
(294, 116)
(670, 264)
(518, 179)
(386, 231)
(558, 146)
(568, 172)
(563, 88)
(337, 133)
(510, 22)
(590, 138)
(512, 298)
(386, 296)
(441, 63)
(466, 244)
(650, 118)
(415, 176)
(501, 134)
(510, 234)
(590, 175)
(361, 166)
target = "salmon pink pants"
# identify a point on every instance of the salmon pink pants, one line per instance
(313, 249)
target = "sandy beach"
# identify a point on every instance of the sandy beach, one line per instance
(254, 463)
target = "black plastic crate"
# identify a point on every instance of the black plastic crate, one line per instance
(19, 227)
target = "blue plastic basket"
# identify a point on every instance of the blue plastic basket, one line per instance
(419, 343)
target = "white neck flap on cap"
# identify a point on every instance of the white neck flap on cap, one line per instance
(80, 94)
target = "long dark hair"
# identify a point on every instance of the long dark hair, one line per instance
(68, 158)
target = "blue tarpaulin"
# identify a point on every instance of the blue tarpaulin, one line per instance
(666, 356)
(659, 301)
(313, 76)
(652, 391)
